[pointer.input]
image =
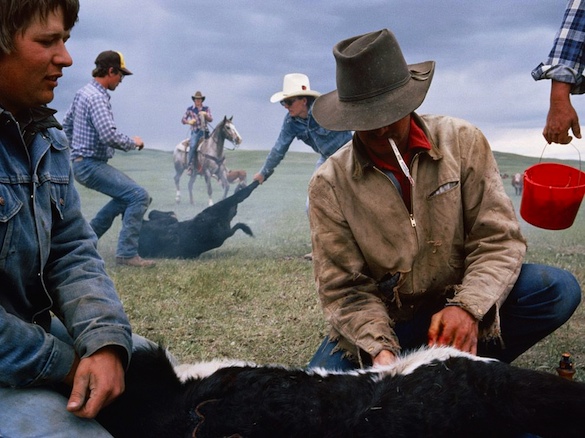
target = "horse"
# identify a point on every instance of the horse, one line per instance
(518, 183)
(210, 159)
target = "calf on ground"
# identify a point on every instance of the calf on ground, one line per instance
(164, 236)
(434, 392)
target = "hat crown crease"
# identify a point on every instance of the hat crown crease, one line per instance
(388, 70)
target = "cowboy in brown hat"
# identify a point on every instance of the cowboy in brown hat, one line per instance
(197, 116)
(414, 239)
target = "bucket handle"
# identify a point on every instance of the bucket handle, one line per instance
(579, 153)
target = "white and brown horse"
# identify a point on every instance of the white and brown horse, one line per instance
(210, 160)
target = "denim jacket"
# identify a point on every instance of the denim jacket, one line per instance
(48, 263)
(321, 140)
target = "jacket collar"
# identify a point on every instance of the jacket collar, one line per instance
(40, 116)
(434, 153)
(361, 160)
(33, 121)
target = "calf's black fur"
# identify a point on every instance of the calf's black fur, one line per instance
(163, 236)
(451, 396)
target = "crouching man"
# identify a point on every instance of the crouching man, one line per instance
(414, 240)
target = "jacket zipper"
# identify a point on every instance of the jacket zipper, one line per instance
(410, 215)
(412, 219)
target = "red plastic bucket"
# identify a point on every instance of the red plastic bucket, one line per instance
(552, 195)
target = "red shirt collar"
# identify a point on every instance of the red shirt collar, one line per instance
(417, 141)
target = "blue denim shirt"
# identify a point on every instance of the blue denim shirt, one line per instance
(321, 140)
(48, 262)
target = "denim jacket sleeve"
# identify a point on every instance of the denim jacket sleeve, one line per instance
(84, 296)
(65, 273)
(29, 356)
(280, 148)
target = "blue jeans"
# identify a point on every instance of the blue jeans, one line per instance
(128, 199)
(542, 300)
(193, 142)
(42, 411)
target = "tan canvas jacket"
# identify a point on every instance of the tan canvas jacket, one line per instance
(462, 243)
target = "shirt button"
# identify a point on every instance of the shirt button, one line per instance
(61, 201)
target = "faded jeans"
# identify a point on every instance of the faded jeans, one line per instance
(42, 412)
(196, 135)
(128, 199)
(542, 300)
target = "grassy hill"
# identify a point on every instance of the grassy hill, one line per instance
(254, 298)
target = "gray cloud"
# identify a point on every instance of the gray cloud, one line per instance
(237, 52)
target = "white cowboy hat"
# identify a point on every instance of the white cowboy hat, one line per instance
(294, 84)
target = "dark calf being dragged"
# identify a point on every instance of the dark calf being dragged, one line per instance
(436, 392)
(163, 236)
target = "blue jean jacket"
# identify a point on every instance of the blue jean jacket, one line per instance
(48, 263)
(321, 140)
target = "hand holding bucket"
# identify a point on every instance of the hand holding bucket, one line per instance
(552, 194)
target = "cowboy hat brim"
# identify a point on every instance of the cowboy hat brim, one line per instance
(376, 111)
(281, 95)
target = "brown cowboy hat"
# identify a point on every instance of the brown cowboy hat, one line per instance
(375, 86)
(198, 95)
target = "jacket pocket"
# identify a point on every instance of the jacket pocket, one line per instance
(446, 239)
(59, 197)
(10, 205)
(449, 186)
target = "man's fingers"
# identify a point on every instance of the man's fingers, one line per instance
(78, 395)
(576, 128)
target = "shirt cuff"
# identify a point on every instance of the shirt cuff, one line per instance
(559, 72)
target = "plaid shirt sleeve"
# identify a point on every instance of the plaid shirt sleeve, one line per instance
(90, 127)
(105, 127)
(566, 60)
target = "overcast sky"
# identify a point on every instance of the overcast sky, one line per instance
(237, 52)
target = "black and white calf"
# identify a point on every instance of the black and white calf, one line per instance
(163, 236)
(437, 392)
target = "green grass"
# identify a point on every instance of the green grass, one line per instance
(254, 298)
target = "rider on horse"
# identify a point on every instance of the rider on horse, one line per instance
(197, 116)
